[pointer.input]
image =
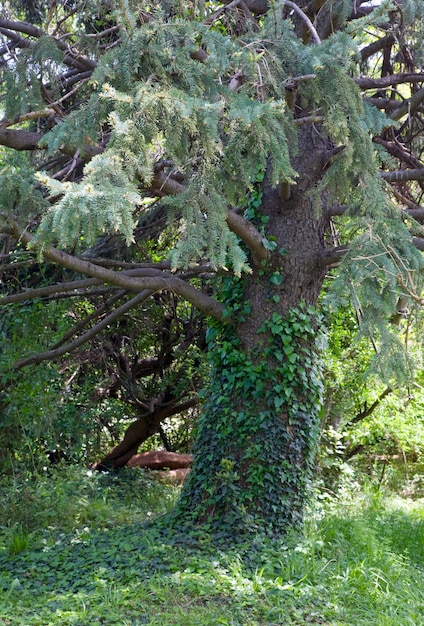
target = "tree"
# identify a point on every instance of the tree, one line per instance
(282, 141)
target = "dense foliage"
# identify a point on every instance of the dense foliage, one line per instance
(258, 164)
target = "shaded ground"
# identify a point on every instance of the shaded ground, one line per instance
(98, 563)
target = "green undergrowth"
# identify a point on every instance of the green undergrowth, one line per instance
(75, 549)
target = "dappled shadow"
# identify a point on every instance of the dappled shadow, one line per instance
(344, 568)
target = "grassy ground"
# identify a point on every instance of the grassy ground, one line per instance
(75, 550)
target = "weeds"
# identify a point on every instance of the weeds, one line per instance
(17, 541)
(91, 559)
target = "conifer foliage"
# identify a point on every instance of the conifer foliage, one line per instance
(274, 148)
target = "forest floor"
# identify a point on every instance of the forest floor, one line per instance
(75, 549)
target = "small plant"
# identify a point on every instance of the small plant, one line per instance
(18, 541)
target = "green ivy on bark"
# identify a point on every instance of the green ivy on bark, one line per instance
(259, 429)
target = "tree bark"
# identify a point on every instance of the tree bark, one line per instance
(258, 432)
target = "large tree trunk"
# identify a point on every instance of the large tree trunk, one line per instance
(259, 429)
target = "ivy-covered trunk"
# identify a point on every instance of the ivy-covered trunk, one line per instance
(258, 433)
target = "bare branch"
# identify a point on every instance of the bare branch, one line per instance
(417, 214)
(368, 410)
(418, 243)
(250, 235)
(333, 256)
(20, 139)
(309, 119)
(164, 185)
(338, 209)
(387, 81)
(397, 150)
(161, 282)
(32, 115)
(409, 105)
(376, 46)
(31, 294)
(231, 5)
(73, 345)
(86, 320)
(71, 57)
(258, 7)
(402, 175)
(305, 19)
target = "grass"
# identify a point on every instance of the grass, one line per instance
(81, 554)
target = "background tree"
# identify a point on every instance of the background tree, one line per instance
(275, 146)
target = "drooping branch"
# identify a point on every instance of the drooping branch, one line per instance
(409, 106)
(246, 231)
(161, 281)
(250, 235)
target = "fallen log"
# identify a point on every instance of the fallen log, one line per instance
(161, 460)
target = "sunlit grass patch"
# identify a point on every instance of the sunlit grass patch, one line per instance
(355, 564)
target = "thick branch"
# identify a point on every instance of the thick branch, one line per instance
(139, 431)
(247, 232)
(258, 7)
(165, 282)
(28, 29)
(376, 46)
(20, 139)
(403, 175)
(32, 115)
(387, 81)
(418, 243)
(369, 410)
(397, 150)
(417, 214)
(387, 104)
(338, 209)
(250, 235)
(334, 255)
(164, 185)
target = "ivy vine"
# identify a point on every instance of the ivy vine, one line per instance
(259, 429)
